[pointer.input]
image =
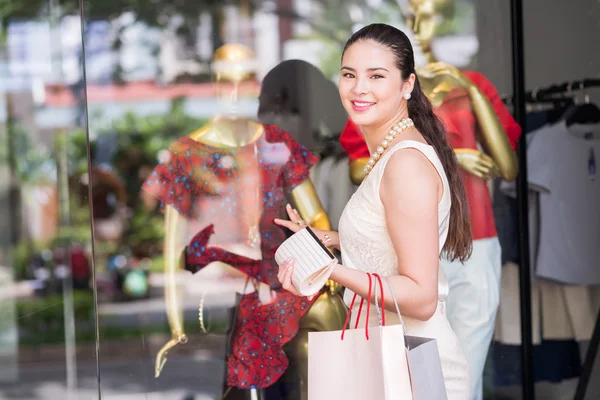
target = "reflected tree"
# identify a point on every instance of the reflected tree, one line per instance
(331, 20)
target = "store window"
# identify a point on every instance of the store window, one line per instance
(47, 304)
(146, 149)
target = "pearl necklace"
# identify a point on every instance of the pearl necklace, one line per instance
(401, 126)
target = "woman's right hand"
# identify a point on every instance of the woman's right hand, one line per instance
(328, 238)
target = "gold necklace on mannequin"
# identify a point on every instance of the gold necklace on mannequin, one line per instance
(401, 126)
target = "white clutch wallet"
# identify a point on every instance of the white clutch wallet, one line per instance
(313, 261)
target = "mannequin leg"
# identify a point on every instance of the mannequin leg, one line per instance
(473, 303)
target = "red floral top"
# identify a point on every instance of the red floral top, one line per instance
(197, 172)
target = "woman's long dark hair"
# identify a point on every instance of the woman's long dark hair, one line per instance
(459, 243)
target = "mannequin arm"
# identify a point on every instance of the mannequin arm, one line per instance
(494, 138)
(173, 251)
(306, 201)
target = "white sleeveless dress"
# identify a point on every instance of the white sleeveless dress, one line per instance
(366, 246)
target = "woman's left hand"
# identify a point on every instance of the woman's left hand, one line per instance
(328, 238)
(286, 270)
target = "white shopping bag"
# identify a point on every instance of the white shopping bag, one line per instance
(377, 363)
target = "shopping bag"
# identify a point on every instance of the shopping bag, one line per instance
(424, 365)
(379, 363)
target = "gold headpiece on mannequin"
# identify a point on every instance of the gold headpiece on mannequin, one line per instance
(234, 63)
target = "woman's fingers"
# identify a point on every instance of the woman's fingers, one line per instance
(288, 284)
(287, 276)
(297, 214)
(295, 223)
(284, 275)
(293, 214)
(282, 269)
(287, 224)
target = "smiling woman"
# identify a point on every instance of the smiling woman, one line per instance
(411, 206)
(379, 88)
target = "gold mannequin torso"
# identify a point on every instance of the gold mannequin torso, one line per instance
(438, 81)
(228, 132)
(219, 133)
(236, 132)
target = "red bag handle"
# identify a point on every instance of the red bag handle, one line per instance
(362, 301)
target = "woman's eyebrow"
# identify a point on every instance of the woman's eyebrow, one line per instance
(368, 69)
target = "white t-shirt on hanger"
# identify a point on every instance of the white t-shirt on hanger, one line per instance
(562, 167)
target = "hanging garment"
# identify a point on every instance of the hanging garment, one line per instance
(562, 314)
(556, 353)
(187, 182)
(505, 205)
(561, 166)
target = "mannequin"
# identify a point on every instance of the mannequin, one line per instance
(248, 251)
(484, 136)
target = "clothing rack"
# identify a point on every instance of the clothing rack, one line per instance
(594, 345)
(554, 95)
(554, 92)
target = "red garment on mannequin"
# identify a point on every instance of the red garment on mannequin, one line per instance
(457, 115)
(257, 358)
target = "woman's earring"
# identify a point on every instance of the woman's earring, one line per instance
(407, 95)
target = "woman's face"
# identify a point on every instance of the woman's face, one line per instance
(370, 84)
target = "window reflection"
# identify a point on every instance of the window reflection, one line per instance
(47, 333)
(151, 81)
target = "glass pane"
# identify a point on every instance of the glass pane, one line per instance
(188, 103)
(47, 329)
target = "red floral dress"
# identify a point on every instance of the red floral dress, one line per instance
(189, 178)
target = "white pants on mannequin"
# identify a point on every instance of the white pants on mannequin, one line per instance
(473, 302)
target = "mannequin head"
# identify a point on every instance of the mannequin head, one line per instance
(425, 17)
(232, 65)
(296, 96)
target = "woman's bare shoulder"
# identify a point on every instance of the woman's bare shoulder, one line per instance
(409, 170)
